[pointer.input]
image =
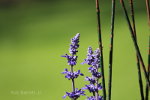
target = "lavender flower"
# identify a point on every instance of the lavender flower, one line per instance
(75, 94)
(94, 72)
(91, 80)
(89, 60)
(93, 59)
(96, 55)
(74, 46)
(92, 88)
(71, 75)
(72, 60)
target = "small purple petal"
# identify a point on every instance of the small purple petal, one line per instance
(64, 96)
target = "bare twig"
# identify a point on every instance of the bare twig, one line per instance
(111, 49)
(135, 43)
(148, 16)
(147, 87)
(148, 11)
(138, 61)
(101, 48)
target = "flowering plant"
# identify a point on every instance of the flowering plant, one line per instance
(71, 75)
(95, 60)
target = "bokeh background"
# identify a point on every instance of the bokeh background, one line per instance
(35, 33)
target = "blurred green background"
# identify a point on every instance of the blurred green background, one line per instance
(35, 33)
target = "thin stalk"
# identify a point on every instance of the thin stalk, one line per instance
(111, 49)
(147, 87)
(135, 43)
(138, 61)
(148, 11)
(97, 95)
(73, 83)
(96, 84)
(101, 48)
(148, 16)
(93, 93)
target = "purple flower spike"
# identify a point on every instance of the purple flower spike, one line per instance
(75, 94)
(74, 44)
(89, 60)
(96, 62)
(93, 98)
(93, 59)
(90, 51)
(69, 75)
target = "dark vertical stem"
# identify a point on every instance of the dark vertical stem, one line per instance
(97, 95)
(147, 87)
(73, 83)
(93, 93)
(101, 48)
(96, 84)
(133, 19)
(134, 41)
(111, 49)
(148, 11)
(148, 16)
(138, 62)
